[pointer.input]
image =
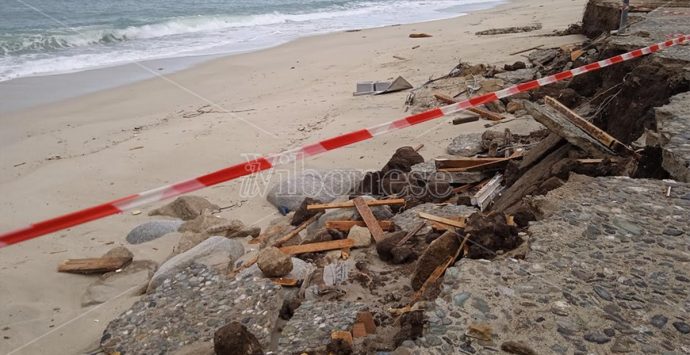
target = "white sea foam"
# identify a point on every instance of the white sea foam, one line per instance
(88, 47)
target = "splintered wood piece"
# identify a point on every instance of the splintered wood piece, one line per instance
(593, 131)
(411, 233)
(296, 231)
(418, 147)
(465, 163)
(343, 335)
(450, 222)
(317, 247)
(461, 120)
(483, 113)
(369, 219)
(345, 253)
(349, 204)
(246, 265)
(345, 226)
(367, 319)
(93, 265)
(359, 331)
(281, 281)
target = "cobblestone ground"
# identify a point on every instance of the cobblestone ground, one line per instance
(608, 272)
(189, 307)
(310, 327)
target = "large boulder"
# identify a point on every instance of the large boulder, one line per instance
(274, 263)
(324, 186)
(152, 230)
(185, 208)
(215, 252)
(113, 284)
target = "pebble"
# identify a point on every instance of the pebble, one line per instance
(659, 320)
(596, 337)
(682, 327)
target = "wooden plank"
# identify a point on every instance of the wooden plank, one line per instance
(296, 231)
(447, 221)
(281, 281)
(367, 319)
(345, 226)
(358, 330)
(461, 120)
(93, 265)
(369, 219)
(483, 113)
(317, 247)
(527, 50)
(558, 123)
(595, 132)
(350, 204)
(418, 147)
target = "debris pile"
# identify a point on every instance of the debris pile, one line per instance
(460, 253)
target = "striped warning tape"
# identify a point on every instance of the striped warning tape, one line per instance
(268, 162)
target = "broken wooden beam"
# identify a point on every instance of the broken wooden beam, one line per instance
(463, 162)
(369, 219)
(438, 272)
(593, 131)
(367, 319)
(345, 226)
(94, 265)
(317, 247)
(443, 220)
(461, 120)
(350, 204)
(558, 123)
(488, 192)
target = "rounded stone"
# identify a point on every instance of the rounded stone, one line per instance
(274, 263)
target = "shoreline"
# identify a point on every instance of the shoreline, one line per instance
(101, 146)
(45, 87)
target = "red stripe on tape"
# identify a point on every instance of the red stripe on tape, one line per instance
(592, 66)
(637, 53)
(63, 222)
(486, 98)
(616, 59)
(235, 171)
(530, 85)
(346, 139)
(424, 116)
(564, 75)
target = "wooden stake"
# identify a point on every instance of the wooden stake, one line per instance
(527, 50)
(438, 272)
(281, 281)
(411, 233)
(369, 219)
(345, 226)
(450, 222)
(418, 147)
(296, 231)
(317, 247)
(93, 265)
(349, 204)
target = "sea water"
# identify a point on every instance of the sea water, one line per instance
(39, 37)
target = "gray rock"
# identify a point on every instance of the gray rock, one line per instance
(185, 208)
(596, 337)
(517, 76)
(119, 252)
(300, 270)
(659, 320)
(152, 230)
(605, 295)
(208, 224)
(361, 236)
(408, 219)
(466, 145)
(682, 327)
(214, 252)
(134, 277)
(321, 185)
(274, 263)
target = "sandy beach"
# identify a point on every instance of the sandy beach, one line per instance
(79, 152)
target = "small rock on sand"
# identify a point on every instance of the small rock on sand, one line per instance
(361, 236)
(113, 284)
(235, 339)
(185, 208)
(274, 263)
(152, 230)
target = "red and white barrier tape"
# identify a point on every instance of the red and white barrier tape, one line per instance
(268, 162)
